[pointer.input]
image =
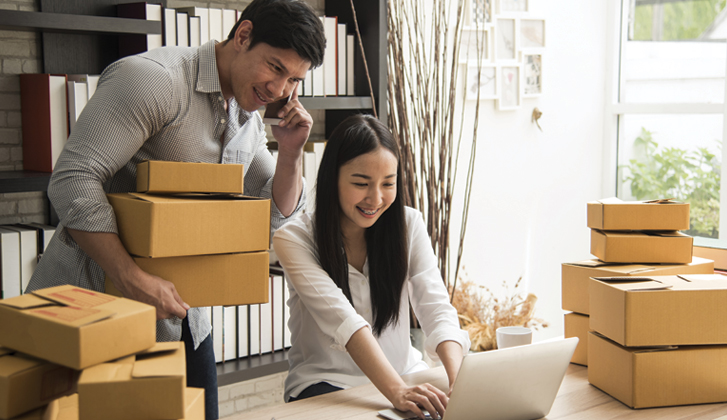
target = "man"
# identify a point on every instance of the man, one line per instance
(182, 104)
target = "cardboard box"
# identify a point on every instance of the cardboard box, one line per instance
(641, 247)
(658, 377)
(719, 255)
(64, 408)
(660, 310)
(76, 327)
(576, 277)
(27, 383)
(212, 280)
(149, 385)
(166, 226)
(154, 176)
(576, 325)
(614, 214)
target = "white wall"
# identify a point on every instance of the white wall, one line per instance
(528, 210)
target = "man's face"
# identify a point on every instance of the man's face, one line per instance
(264, 74)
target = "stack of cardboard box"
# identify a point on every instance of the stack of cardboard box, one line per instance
(190, 224)
(648, 314)
(66, 340)
(630, 239)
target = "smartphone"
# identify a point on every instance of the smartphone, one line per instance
(272, 109)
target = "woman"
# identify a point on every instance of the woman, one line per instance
(353, 267)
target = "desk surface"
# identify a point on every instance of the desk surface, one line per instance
(577, 399)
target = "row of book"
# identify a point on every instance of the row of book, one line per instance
(21, 246)
(194, 26)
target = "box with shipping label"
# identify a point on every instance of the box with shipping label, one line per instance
(614, 214)
(27, 382)
(641, 247)
(154, 176)
(658, 377)
(576, 277)
(166, 226)
(148, 385)
(76, 327)
(212, 280)
(576, 325)
(64, 408)
(660, 310)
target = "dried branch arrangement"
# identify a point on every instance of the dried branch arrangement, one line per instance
(481, 313)
(426, 114)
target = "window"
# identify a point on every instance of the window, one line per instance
(668, 113)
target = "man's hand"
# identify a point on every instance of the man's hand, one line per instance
(293, 131)
(133, 282)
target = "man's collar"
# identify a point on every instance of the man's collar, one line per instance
(208, 78)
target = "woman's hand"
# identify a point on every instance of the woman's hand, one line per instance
(424, 396)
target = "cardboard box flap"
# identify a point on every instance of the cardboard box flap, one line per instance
(75, 296)
(26, 302)
(158, 198)
(161, 347)
(702, 277)
(12, 364)
(634, 350)
(5, 351)
(72, 316)
(166, 361)
(625, 268)
(108, 372)
(616, 200)
(665, 234)
(634, 283)
(663, 201)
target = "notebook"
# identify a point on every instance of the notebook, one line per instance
(517, 383)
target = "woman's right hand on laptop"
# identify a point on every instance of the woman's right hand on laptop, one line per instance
(414, 398)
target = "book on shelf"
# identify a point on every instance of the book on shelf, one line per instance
(217, 333)
(10, 263)
(341, 60)
(44, 234)
(310, 172)
(254, 332)
(242, 328)
(308, 83)
(182, 30)
(215, 24)
(44, 116)
(266, 324)
(28, 257)
(169, 27)
(195, 31)
(350, 52)
(91, 81)
(204, 21)
(229, 337)
(228, 22)
(77, 97)
(278, 306)
(130, 44)
(330, 25)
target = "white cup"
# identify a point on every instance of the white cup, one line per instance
(513, 336)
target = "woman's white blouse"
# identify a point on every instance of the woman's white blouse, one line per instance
(322, 320)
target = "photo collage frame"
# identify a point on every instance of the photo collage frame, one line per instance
(508, 43)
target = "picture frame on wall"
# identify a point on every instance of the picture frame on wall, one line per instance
(475, 44)
(505, 39)
(512, 6)
(532, 33)
(509, 97)
(487, 82)
(532, 75)
(479, 13)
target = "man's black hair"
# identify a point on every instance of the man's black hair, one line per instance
(289, 24)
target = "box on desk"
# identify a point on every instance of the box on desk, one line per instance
(658, 377)
(660, 310)
(641, 247)
(154, 176)
(576, 325)
(173, 226)
(615, 214)
(212, 280)
(148, 385)
(27, 383)
(576, 277)
(76, 327)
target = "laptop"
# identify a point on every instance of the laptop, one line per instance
(517, 383)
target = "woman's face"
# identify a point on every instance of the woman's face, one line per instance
(366, 188)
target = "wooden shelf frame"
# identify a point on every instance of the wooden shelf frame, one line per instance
(75, 24)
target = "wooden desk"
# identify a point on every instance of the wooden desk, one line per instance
(577, 399)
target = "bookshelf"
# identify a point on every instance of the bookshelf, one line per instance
(81, 36)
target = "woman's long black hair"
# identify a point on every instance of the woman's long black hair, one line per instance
(386, 240)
